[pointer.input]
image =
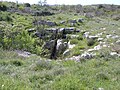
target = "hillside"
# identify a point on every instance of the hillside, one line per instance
(59, 47)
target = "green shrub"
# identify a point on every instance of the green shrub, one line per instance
(74, 41)
(21, 40)
(76, 51)
(91, 42)
(17, 63)
(3, 7)
(102, 76)
(27, 5)
(4, 16)
(21, 7)
(80, 37)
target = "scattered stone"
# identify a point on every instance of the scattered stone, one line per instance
(31, 30)
(49, 23)
(23, 53)
(62, 22)
(72, 21)
(100, 88)
(104, 28)
(98, 47)
(86, 34)
(113, 53)
(90, 50)
(80, 20)
(70, 46)
(86, 55)
(115, 37)
(104, 45)
(74, 36)
(74, 58)
(51, 30)
(38, 34)
(108, 36)
(89, 15)
(118, 42)
(100, 39)
(49, 44)
(99, 34)
(61, 29)
(93, 37)
(43, 22)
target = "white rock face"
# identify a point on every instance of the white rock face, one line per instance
(23, 53)
(59, 42)
(100, 88)
(93, 37)
(61, 46)
(100, 34)
(70, 46)
(115, 37)
(90, 50)
(118, 42)
(74, 36)
(66, 52)
(98, 47)
(75, 58)
(113, 53)
(86, 34)
(100, 39)
(86, 55)
(108, 36)
(104, 45)
(103, 28)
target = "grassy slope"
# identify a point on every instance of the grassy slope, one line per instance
(34, 73)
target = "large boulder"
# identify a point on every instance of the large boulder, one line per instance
(61, 46)
(43, 22)
(80, 20)
(49, 44)
(72, 21)
(49, 23)
(69, 30)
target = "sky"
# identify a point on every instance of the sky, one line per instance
(70, 2)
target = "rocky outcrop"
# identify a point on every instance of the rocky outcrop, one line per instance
(61, 46)
(87, 55)
(43, 22)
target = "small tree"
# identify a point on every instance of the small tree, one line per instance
(42, 2)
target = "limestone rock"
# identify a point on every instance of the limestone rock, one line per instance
(86, 55)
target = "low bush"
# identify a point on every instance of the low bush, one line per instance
(4, 16)
(3, 7)
(91, 42)
(74, 41)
